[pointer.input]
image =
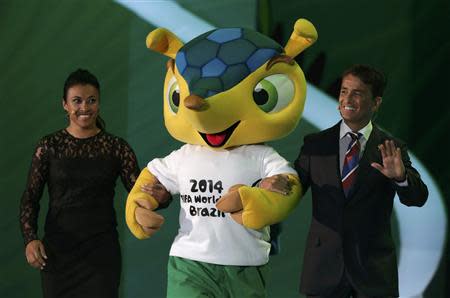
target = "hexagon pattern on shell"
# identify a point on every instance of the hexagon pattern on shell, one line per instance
(217, 60)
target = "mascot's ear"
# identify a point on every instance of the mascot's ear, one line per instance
(304, 35)
(163, 41)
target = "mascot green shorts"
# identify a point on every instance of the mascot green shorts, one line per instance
(188, 278)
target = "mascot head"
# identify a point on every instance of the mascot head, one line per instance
(232, 86)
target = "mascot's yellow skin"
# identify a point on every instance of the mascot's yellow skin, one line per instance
(251, 206)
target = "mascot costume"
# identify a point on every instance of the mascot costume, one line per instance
(226, 92)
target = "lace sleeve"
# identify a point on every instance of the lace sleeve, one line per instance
(29, 205)
(129, 171)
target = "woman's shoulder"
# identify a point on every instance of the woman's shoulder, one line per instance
(53, 136)
(50, 142)
(113, 139)
(107, 135)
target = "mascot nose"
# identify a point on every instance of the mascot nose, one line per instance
(195, 102)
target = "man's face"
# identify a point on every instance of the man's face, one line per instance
(356, 102)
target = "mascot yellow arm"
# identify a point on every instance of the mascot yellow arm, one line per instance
(145, 177)
(262, 207)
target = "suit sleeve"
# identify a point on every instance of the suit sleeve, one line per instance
(416, 192)
(301, 165)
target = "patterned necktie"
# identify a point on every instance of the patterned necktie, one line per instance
(351, 160)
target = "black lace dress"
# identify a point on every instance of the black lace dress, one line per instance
(80, 239)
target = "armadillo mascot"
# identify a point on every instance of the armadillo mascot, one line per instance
(226, 92)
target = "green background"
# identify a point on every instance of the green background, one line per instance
(41, 42)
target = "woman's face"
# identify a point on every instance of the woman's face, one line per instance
(82, 105)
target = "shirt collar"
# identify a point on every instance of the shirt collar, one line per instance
(365, 131)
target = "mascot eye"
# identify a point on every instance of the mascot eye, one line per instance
(173, 95)
(273, 93)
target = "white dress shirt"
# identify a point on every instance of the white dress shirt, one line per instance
(345, 139)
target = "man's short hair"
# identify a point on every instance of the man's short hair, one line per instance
(370, 76)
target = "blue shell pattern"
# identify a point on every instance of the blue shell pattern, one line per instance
(219, 59)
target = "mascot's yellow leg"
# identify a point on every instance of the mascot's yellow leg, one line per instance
(141, 221)
(262, 207)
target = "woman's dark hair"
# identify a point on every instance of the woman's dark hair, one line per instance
(83, 77)
(370, 76)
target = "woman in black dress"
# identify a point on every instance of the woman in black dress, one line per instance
(79, 256)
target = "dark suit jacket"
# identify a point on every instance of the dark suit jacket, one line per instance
(352, 232)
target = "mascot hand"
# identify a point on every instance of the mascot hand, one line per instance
(256, 208)
(139, 205)
(149, 220)
(232, 203)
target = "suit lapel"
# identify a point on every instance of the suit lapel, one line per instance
(334, 145)
(332, 166)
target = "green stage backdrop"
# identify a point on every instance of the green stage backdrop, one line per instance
(41, 42)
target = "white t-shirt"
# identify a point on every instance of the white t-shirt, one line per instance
(201, 176)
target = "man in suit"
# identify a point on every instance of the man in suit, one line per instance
(350, 251)
(354, 171)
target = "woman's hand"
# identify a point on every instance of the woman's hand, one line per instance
(157, 191)
(277, 183)
(35, 254)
